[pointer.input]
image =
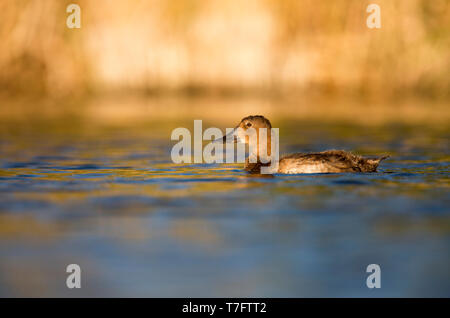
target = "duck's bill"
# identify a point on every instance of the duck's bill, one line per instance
(231, 137)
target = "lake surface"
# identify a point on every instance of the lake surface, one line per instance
(86, 185)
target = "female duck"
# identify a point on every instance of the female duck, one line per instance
(320, 162)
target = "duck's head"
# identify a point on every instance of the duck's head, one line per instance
(255, 122)
(242, 131)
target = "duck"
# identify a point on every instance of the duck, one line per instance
(329, 161)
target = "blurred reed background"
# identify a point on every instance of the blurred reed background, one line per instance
(225, 47)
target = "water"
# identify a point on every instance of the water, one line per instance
(104, 194)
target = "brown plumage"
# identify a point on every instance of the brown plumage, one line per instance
(320, 162)
(327, 161)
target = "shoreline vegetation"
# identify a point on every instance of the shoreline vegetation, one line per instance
(215, 48)
(126, 109)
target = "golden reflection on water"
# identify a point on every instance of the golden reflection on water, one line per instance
(99, 181)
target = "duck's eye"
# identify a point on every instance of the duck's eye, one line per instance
(248, 124)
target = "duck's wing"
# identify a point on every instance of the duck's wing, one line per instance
(327, 161)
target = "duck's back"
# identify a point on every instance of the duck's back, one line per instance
(327, 161)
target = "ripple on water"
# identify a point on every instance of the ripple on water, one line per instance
(141, 223)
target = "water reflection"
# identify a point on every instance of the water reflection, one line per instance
(104, 194)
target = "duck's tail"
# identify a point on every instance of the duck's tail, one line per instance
(372, 163)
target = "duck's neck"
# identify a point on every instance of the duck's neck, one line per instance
(262, 150)
(255, 167)
(259, 155)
